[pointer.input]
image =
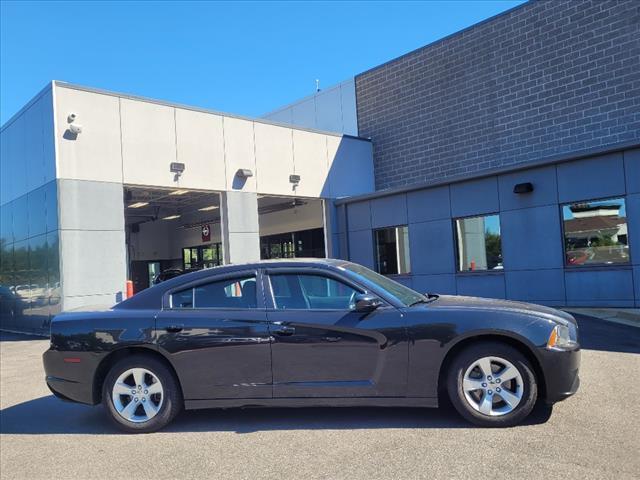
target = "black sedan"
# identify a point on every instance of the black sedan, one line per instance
(309, 333)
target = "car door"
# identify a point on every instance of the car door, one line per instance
(322, 347)
(217, 337)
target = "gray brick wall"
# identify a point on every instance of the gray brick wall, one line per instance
(545, 79)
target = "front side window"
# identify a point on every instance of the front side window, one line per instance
(595, 232)
(311, 292)
(392, 250)
(479, 244)
(229, 293)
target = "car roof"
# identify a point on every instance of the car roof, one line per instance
(152, 297)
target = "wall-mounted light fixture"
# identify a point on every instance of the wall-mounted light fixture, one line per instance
(177, 168)
(244, 173)
(523, 188)
(294, 179)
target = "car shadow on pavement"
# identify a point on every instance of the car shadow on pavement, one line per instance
(19, 337)
(49, 415)
(597, 334)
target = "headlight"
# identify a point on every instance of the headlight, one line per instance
(561, 338)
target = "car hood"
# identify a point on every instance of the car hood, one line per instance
(490, 304)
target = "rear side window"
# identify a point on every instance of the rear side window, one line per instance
(182, 299)
(229, 293)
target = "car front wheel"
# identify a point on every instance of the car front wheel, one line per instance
(140, 394)
(492, 385)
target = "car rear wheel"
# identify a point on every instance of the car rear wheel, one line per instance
(492, 385)
(140, 394)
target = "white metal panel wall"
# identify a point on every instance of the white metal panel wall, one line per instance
(134, 141)
(148, 143)
(350, 171)
(274, 158)
(332, 109)
(310, 158)
(200, 146)
(96, 153)
(239, 153)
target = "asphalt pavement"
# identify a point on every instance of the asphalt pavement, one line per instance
(595, 434)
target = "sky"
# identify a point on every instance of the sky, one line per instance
(247, 58)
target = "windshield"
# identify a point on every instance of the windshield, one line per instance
(404, 294)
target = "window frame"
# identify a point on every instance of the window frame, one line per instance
(375, 250)
(598, 266)
(272, 306)
(257, 274)
(456, 241)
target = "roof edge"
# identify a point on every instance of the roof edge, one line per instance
(140, 98)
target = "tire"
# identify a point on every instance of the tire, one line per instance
(146, 409)
(494, 403)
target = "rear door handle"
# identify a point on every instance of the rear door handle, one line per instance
(284, 330)
(174, 328)
(332, 339)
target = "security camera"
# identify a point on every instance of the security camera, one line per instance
(72, 117)
(75, 128)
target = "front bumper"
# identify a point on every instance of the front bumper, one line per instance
(561, 373)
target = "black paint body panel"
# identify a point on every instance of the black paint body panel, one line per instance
(241, 357)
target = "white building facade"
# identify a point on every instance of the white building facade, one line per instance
(99, 188)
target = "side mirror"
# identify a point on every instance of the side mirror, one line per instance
(365, 303)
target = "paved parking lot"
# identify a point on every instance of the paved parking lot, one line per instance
(593, 435)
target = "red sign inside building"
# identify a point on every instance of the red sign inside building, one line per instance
(206, 233)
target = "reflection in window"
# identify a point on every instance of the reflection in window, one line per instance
(392, 250)
(596, 232)
(230, 293)
(479, 245)
(310, 292)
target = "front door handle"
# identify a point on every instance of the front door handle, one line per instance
(284, 330)
(174, 328)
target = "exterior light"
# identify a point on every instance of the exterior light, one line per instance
(177, 168)
(295, 179)
(523, 188)
(138, 204)
(244, 173)
(171, 217)
(178, 192)
(208, 209)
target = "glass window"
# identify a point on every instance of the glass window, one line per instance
(311, 292)
(182, 299)
(479, 246)
(403, 294)
(305, 243)
(392, 250)
(595, 232)
(229, 293)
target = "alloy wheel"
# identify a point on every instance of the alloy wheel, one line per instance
(137, 395)
(492, 386)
